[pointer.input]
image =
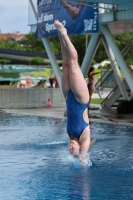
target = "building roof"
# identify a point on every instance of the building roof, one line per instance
(12, 36)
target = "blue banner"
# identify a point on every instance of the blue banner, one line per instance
(76, 18)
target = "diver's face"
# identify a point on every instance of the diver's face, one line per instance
(74, 147)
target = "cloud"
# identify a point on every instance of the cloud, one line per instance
(14, 16)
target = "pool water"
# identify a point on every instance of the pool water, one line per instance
(35, 163)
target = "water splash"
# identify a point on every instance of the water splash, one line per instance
(76, 164)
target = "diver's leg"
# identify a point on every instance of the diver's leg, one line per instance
(78, 86)
(65, 70)
(91, 91)
(77, 82)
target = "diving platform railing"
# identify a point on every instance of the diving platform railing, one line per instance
(115, 93)
(114, 96)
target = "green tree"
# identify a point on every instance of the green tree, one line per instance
(4, 61)
(37, 60)
(121, 40)
(55, 45)
(9, 75)
(29, 43)
(79, 41)
(7, 44)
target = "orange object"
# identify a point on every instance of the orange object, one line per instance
(49, 105)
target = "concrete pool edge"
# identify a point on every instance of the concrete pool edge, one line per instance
(95, 115)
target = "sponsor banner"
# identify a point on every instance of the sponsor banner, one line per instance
(76, 18)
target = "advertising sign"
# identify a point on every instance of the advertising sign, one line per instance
(76, 18)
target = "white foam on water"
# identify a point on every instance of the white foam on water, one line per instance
(53, 143)
(76, 163)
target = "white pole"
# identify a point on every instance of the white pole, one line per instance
(52, 59)
(115, 69)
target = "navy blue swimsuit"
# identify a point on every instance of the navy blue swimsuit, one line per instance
(89, 85)
(75, 121)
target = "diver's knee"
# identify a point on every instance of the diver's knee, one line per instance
(65, 63)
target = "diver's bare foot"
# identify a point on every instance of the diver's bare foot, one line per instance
(60, 27)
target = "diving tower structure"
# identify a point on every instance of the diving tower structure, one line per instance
(115, 17)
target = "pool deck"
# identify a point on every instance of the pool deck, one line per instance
(99, 115)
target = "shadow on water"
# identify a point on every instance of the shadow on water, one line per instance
(35, 163)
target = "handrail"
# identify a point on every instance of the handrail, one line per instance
(97, 88)
(112, 91)
(108, 68)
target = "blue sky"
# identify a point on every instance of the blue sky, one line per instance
(14, 16)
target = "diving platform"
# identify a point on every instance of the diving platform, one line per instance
(115, 17)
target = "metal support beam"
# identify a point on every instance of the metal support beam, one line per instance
(127, 47)
(52, 59)
(90, 52)
(33, 8)
(115, 69)
(49, 51)
(118, 55)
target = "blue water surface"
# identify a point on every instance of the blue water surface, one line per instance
(35, 163)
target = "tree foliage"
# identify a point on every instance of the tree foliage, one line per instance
(79, 41)
(9, 75)
(7, 44)
(121, 40)
(4, 61)
(29, 43)
(37, 60)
